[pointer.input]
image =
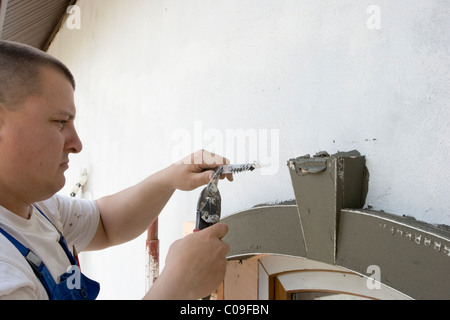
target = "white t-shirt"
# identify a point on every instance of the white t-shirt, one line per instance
(76, 219)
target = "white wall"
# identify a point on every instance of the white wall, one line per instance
(311, 72)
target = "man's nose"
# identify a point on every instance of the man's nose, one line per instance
(73, 142)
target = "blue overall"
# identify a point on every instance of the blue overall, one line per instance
(85, 288)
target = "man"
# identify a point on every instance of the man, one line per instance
(37, 134)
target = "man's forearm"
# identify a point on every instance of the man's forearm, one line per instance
(128, 213)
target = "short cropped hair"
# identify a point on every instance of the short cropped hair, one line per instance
(20, 69)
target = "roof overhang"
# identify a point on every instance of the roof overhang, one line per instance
(32, 22)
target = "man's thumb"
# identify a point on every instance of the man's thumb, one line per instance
(207, 176)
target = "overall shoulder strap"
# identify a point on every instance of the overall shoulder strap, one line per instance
(23, 250)
(36, 264)
(42, 213)
(62, 240)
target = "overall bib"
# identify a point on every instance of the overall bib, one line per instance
(83, 288)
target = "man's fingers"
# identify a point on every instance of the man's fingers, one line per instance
(218, 230)
(210, 160)
(208, 175)
(229, 176)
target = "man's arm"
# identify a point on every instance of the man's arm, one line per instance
(128, 213)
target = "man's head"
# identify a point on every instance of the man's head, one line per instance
(20, 71)
(37, 131)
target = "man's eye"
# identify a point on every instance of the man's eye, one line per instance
(61, 123)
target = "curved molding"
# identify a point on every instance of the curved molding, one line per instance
(271, 229)
(413, 257)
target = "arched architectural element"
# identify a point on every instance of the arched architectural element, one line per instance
(412, 257)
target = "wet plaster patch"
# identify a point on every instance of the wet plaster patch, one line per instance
(323, 185)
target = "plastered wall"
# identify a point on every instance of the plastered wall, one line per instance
(159, 79)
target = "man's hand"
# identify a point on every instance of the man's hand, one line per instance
(195, 266)
(195, 170)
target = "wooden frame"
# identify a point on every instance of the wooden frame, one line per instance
(288, 275)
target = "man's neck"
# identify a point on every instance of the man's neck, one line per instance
(18, 207)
